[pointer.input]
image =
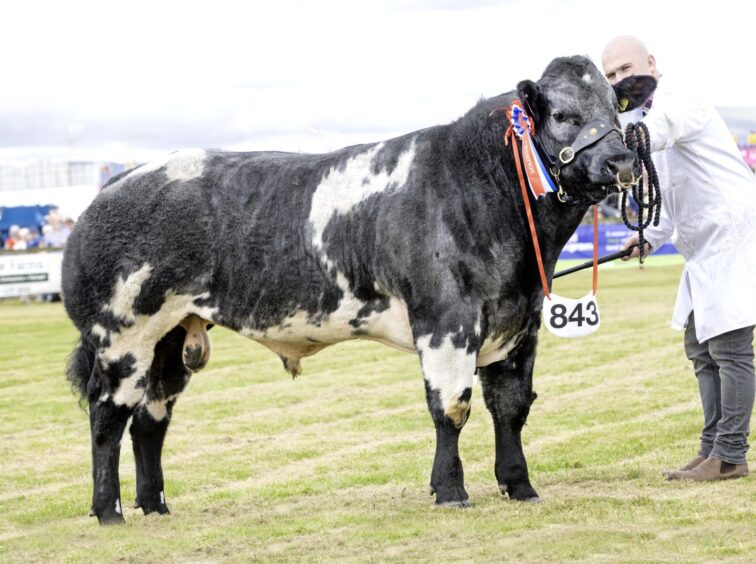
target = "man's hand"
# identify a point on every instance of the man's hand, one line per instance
(633, 240)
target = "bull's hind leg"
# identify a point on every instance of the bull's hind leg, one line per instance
(508, 393)
(448, 370)
(107, 422)
(167, 378)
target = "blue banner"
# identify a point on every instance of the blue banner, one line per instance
(611, 237)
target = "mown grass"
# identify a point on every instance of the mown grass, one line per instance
(335, 466)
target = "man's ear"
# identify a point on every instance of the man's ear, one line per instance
(633, 91)
(529, 92)
(651, 64)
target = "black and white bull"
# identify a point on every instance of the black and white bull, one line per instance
(420, 242)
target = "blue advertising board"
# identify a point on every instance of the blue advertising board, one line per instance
(611, 237)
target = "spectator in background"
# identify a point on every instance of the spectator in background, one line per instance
(69, 224)
(22, 242)
(34, 239)
(13, 237)
(58, 232)
(46, 229)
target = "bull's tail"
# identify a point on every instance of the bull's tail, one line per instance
(80, 365)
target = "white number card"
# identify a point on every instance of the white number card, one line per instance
(567, 317)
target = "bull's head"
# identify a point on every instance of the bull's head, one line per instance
(569, 102)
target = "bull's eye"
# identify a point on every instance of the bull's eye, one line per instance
(561, 117)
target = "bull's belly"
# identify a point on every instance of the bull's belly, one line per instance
(296, 336)
(302, 334)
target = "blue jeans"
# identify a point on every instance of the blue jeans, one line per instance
(724, 368)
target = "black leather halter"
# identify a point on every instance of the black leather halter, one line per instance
(588, 135)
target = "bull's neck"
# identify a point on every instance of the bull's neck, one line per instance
(488, 165)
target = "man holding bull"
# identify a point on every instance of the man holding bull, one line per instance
(709, 207)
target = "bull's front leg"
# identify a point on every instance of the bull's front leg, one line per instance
(508, 393)
(448, 368)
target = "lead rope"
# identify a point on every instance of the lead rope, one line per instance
(637, 140)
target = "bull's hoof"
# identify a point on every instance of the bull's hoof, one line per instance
(108, 517)
(156, 505)
(520, 492)
(450, 496)
(108, 514)
(161, 509)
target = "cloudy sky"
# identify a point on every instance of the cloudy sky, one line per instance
(317, 75)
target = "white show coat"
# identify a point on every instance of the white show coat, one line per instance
(708, 209)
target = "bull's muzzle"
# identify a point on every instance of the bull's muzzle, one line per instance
(628, 181)
(622, 167)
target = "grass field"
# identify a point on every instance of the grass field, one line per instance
(335, 465)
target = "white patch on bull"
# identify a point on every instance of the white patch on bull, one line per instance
(98, 331)
(139, 340)
(180, 165)
(447, 369)
(104, 397)
(118, 506)
(341, 190)
(391, 326)
(157, 409)
(126, 291)
(495, 350)
(162, 498)
(301, 334)
(587, 78)
(186, 164)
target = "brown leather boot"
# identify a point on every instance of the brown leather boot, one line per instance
(710, 470)
(695, 461)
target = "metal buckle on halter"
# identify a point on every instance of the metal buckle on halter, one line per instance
(569, 157)
(562, 195)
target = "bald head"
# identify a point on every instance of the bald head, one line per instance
(627, 56)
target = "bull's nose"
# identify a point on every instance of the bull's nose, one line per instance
(622, 167)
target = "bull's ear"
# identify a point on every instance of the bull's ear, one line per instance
(633, 91)
(529, 92)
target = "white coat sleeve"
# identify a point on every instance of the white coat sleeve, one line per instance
(659, 234)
